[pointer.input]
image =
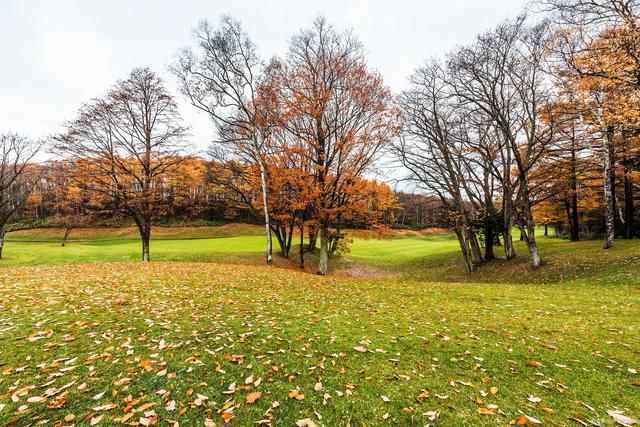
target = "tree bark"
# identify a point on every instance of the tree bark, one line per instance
(464, 248)
(489, 240)
(281, 235)
(144, 227)
(528, 228)
(313, 239)
(476, 253)
(2, 234)
(628, 201)
(609, 208)
(265, 207)
(573, 219)
(323, 262)
(507, 230)
(67, 231)
(302, 245)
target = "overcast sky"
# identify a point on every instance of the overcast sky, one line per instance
(57, 54)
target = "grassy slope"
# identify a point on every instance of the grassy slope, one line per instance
(456, 339)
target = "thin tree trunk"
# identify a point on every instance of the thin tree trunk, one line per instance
(265, 207)
(302, 245)
(476, 254)
(67, 231)
(323, 262)
(464, 248)
(489, 240)
(2, 234)
(573, 219)
(528, 229)
(546, 230)
(145, 249)
(144, 228)
(292, 225)
(628, 202)
(610, 226)
(507, 230)
(313, 239)
(278, 231)
(612, 171)
(529, 235)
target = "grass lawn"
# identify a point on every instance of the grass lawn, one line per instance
(397, 336)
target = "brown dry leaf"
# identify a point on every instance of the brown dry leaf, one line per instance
(525, 420)
(69, 417)
(318, 386)
(493, 390)
(306, 422)
(423, 395)
(252, 397)
(535, 364)
(485, 411)
(295, 394)
(96, 420)
(227, 416)
(235, 358)
(360, 349)
(622, 419)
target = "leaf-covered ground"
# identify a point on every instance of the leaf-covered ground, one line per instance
(205, 344)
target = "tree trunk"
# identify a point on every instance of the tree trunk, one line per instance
(528, 228)
(609, 217)
(628, 202)
(612, 171)
(302, 245)
(573, 219)
(509, 251)
(313, 239)
(265, 207)
(323, 262)
(67, 231)
(464, 248)
(476, 253)
(279, 231)
(530, 239)
(144, 227)
(546, 230)
(489, 240)
(292, 225)
(2, 234)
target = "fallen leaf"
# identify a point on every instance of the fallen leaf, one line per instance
(622, 419)
(252, 397)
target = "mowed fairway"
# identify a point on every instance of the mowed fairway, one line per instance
(398, 336)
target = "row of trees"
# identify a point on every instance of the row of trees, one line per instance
(295, 138)
(514, 125)
(534, 122)
(310, 125)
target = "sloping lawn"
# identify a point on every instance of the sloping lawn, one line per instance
(194, 343)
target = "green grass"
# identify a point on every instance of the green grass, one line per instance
(567, 334)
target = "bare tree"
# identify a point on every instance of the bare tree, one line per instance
(16, 153)
(431, 151)
(594, 12)
(502, 75)
(124, 144)
(221, 77)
